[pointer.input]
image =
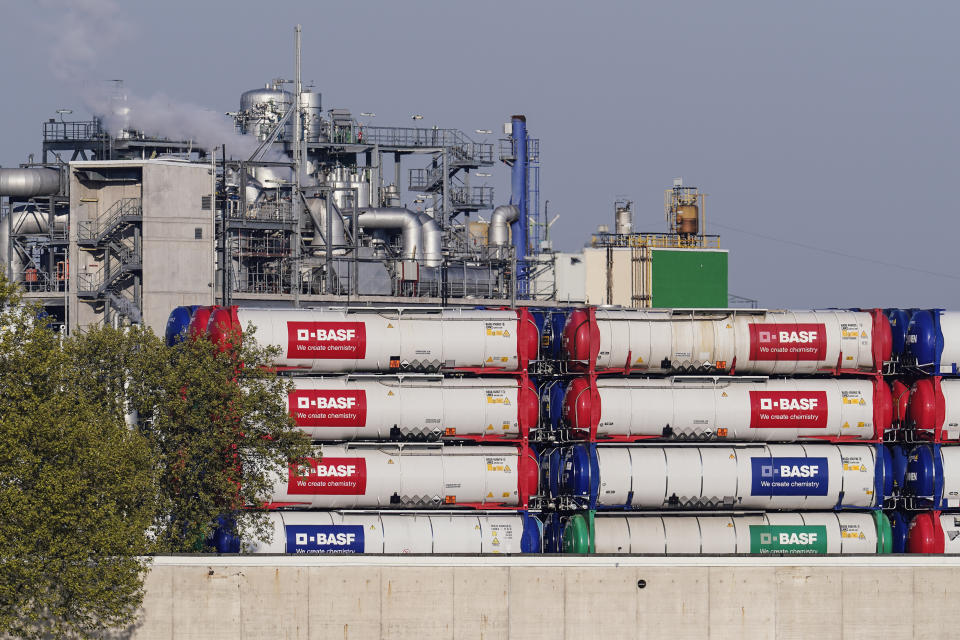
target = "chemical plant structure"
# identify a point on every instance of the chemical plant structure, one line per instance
(118, 226)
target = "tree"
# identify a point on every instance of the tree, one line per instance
(76, 487)
(114, 446)
(221, 430)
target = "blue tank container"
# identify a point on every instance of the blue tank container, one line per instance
(899, 527)
(177, 323)
(899, 323)
(923, 487)
(926, 343)
(579, 476)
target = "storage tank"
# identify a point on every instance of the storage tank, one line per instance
(764, 342)
(344, 341)
(934, 532)
(933, 478)
(840, 532)
(688, 219)
(776, 476)
(263, 109)
(413, 407)
(177, 324)
(385, 476)
(332, 532)
(899, 325)
(933, 342)
(933, 412)
(730, 409)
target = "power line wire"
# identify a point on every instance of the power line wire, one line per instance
(834, 252)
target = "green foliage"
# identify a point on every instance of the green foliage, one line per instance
(76, 487)
(114, 446)
(221, 429)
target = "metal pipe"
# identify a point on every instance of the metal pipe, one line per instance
(30, 182)
(519, 189)
(498, 232)
(396, 218)
(431, 237)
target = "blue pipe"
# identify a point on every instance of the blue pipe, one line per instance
(518, 229)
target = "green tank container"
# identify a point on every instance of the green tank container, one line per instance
(689, 278)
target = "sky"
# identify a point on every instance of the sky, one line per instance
(823, 133)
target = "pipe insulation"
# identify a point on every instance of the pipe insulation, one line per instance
(30, 182)
(396, 218)
(498, 234)
(431, 241)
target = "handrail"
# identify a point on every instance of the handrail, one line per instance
(122, 208)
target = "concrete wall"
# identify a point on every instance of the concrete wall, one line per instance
(549, 597)
(178, 267)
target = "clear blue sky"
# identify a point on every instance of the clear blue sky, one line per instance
(828, 124)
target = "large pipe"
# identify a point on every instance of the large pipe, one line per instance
(518, 197)
(396, 218)
(431, 241)
(28, 183)
(498, 232)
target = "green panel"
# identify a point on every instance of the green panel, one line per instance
(788, 539)
(884, 532)
(688, 278)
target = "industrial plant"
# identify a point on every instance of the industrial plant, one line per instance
(302, 204)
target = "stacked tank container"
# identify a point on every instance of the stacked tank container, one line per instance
(928, 440)
(720, 431)
(421, 421)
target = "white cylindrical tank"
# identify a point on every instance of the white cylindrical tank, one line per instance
(382, 475)
(331, 532)
(343, 341)
(733, 409)
(840, 532)
(766, 343)
(414, 407)
(775, 476)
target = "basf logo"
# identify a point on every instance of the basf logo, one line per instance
(788, 409)
(326, 340)
(330, 538)
(789, 476)
(788, 342)
(328, 408)
(329, 476)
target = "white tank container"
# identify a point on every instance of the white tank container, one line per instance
(372, 476)
(776, 476)
(344, 341)
(734, 409)
(330, 532)
(384, 407)
(767, 343)
(771, 533)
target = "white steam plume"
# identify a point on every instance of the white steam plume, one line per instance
(82, 33)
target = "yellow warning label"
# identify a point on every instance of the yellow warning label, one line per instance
(507, 469)
(506, 334)
(506, 401)
(506, 494)
(490, 427)
(495, 542)
(389, 393)
(860, 424)
(390, 461)
(504, 359)
(506, 426)
(729, 327)
(639, 360)
(849, 357)
(846, 425)
(490, 359)
(724, 395)
(389, 325)
(490, 495)
(733, 457)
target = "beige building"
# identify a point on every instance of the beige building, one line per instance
(141, 241)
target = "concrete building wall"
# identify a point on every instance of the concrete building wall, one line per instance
(549, 597)
(178, 267)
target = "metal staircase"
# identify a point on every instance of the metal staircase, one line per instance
(122, 264)
(124, 212)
